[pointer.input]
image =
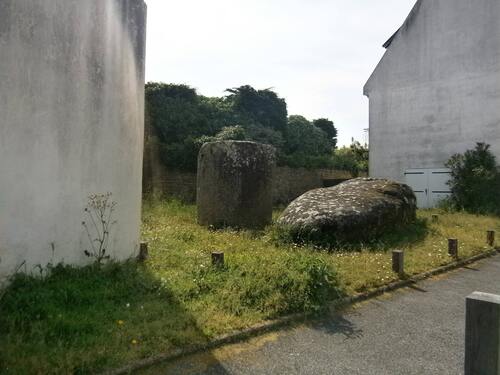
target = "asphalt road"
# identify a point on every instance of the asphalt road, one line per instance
(417, 330)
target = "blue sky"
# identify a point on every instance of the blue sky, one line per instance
(317, 54)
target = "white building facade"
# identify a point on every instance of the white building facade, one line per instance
(436, 92)
(71, 125)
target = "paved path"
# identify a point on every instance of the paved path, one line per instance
(418, 330)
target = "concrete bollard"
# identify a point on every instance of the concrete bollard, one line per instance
(482, 334)
(490, 238)
(143, 252)
(398, 262)
(453, 247)
(218, 259)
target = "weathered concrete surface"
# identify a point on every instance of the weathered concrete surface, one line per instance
(415, 331)
(72, 122)
(362, 208)
(436, 91)
(234, 185)
(482, 334)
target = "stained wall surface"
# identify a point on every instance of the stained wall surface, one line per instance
(71, 125)
(436, 91)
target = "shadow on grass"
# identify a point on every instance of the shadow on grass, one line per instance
(86, 320)
(410, 234)
(401, 236)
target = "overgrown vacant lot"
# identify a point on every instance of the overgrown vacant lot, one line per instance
(91, 319)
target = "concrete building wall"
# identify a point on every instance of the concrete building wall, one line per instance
(71, 125)
(436, 91)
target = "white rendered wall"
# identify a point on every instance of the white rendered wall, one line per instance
(436, 91)
(71, 125)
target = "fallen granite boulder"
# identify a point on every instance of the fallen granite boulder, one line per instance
(361, 209)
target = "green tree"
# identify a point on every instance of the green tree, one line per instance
(182, 120)
(261, 108)
(303, 137)
(228, 133)
(329, 128)
(475, 181)
(261, 134)
(179, 117)
(173, 111)
(354, 158)
(305, 145)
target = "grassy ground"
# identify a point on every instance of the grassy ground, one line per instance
(86, 320)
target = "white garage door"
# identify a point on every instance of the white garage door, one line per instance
(430, 185)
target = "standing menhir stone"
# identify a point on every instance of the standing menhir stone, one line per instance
(235, 184)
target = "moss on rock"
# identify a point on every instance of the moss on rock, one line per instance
(361, 209)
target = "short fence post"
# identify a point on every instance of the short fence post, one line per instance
(398, 262)
(482, 334)
(218, 259)
(490, 238)
(143, 252)
(453, 247)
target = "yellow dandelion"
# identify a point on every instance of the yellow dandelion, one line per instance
(134, 342)
(120, 322)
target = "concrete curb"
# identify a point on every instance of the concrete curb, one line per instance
(289, 319)
(217, 342)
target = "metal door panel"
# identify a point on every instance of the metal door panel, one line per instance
(438, 185)
(418, 180)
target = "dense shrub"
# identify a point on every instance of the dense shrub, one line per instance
(179, 116)
(258, 107)
(183, 120)
(329, 128)
(233, 133)
(475, 181)
(302, 137)
(180, 155)
(289, 283)
(353, 158)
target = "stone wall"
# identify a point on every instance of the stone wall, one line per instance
(158, 182)
(289, 183)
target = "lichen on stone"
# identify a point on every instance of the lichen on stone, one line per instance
(359, 209)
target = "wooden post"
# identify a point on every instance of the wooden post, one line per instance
(490, 238)
(482, 334)
(453, 247)
(143, 252)
(218, 259)
(435, 218)
(398, 262)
